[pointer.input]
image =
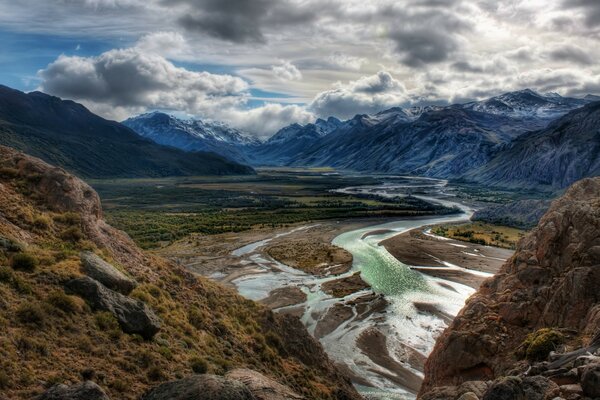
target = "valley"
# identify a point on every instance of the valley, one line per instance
(299, 200)
(156, 212)
(313, 243)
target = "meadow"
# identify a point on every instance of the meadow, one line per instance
(156, 212)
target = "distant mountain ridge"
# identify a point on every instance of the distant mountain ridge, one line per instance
(66, 134)
(444, 142)
(565, 152)
(192, 135)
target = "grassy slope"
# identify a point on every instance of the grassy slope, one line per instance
(47, 337)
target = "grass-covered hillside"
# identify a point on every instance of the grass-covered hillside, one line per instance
(48, 335)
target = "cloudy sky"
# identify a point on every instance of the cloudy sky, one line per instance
(262, 64)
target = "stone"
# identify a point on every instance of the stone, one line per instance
(262, 387)
(568, 390)
(468, 396)
(87, 390)
(585, 360)
(568, 377)
(105, 273)
(515, 388)
(134, 316)
(476, 387)
(590, 380)
(200, 387)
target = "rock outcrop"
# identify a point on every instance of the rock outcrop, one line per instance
(200, 387)
(551, 282)
(134, 316)
(105, 273)
(262, 387)
(87, 390)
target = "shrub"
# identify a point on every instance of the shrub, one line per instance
(538, 345)
(68, 218)
(196, 318)
(31, 314)
(199, 365)
(21, 285)
(72, 234)
(42, 222)
(4, 380)
(29, 345)
(155, 373)
(63, 302)
(24, 262)
(6, 275)
(119, 385)
(106, 321)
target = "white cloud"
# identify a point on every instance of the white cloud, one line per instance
(123, 82)
(366, 95)
(268, 119)
(346, 61)
(286, 71)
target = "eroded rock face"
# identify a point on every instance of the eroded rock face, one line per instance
(262, 387)
(87, 390)
(134, 316)
(551, 281)
(105, 273)
(200, 387)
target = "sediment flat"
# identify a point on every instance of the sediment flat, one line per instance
(423, 251)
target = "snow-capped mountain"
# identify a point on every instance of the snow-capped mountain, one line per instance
(192, 135)
(437, 141)
(291, 140)
(527, 104)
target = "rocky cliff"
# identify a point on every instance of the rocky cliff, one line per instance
(544, 298)
(84, 313)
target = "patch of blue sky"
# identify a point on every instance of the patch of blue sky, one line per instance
(22, 55)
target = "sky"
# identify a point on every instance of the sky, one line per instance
(259, 65)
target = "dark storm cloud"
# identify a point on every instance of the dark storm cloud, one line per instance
(426, 37)
(590, 8)
(571, 54)
(241, 21)
(465, 66)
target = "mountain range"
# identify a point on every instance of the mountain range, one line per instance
(516, 139)
(481, 141)
(192, 135)
(68, 135)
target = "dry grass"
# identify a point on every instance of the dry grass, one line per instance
(48, 337)
(312, 256)
(482, 233)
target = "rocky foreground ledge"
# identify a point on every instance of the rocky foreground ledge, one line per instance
(533, 330)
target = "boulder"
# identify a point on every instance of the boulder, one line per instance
(262, 387)
(590, 380)
(87, 390)
(468, 396)
(134, 316)
(515, 388)
(200, 387)
(105, 273)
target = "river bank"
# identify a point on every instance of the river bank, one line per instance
(379, 319)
